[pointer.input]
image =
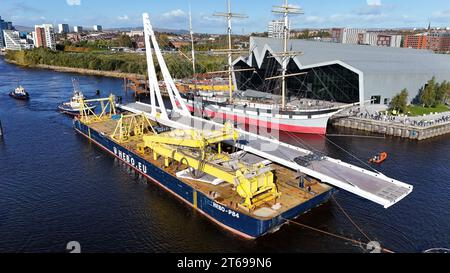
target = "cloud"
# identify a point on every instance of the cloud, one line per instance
(73, 2)
(174, 13)
(123, 18)
(442, 16)
(374, 7)
(376, 3)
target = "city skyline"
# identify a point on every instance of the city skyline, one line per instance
(174, 14)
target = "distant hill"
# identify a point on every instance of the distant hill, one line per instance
(23, 28)
(175, 31)
(167, 30)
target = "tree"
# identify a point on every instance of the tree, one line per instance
(400, 101)
(428, 95)
(441, 91)
(124, 41)
(447, 92)
(303, 35)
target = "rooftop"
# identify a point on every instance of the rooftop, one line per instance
(368, 59)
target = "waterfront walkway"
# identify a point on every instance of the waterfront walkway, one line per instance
(373, 113)
(370, 119)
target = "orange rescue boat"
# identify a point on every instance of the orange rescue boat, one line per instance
(380, 158)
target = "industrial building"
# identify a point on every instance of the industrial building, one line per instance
(341, 72)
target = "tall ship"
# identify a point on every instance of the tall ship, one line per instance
(277, 112)
(245, 183)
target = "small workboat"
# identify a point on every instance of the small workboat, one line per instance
(379, 158)
(73, 106)
(20, 94)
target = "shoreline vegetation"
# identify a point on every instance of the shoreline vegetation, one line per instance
(110, 64)
(83, 71)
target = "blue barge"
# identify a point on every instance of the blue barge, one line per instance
(293, 201)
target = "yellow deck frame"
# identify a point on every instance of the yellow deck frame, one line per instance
(132, 126)
(88, 116)
(254, 183)
(195, 138)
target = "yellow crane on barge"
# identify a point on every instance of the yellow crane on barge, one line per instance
(200, 150)
(194, 148)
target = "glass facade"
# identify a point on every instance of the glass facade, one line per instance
(331, 83)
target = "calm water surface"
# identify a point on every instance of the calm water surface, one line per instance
(56, 187)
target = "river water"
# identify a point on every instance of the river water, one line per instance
(56, 187)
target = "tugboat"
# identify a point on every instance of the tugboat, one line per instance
(73, 106)
(20, 94)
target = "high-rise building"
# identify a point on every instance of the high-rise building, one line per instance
(98, 28)
(2, 27)
(44, 36)
(78, 29)
(63, 28)
(12, 40)
(276, 29)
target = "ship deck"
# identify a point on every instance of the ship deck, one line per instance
(370, 185)
(286, 180)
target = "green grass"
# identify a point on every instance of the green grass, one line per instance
(417, 110)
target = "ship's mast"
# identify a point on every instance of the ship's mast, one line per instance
(230, 56)
(229, 15)
(192, 42)
(285, 48)
(286, 56)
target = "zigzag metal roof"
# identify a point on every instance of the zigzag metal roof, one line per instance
(368, 59)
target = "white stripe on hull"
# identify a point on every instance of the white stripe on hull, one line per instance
(277, 121)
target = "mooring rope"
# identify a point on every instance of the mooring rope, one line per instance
(336, 235)
(351, 220)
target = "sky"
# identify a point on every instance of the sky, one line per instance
(173, 14)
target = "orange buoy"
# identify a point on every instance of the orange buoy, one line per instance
(379, 158)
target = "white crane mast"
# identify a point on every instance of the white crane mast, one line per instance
(178, 105)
